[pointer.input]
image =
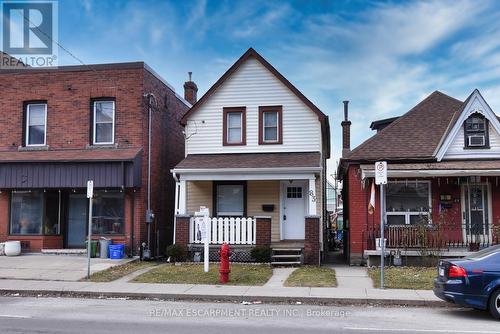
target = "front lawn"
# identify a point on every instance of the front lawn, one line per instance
(241, 274)
(417, 278)
(310, 276)
(120, 271)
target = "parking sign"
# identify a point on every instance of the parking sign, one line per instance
(381, 172)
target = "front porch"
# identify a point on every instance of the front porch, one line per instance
(434, 212)
(248, 213)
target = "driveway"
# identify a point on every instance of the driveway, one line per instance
(52, 267)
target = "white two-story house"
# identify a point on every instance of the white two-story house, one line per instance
(256, 151)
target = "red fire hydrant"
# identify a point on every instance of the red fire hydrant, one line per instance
(224, 270)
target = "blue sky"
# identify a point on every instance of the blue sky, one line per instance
(382, 56)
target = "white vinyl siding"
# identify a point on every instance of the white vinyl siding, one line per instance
(252, 85)
(457, 150)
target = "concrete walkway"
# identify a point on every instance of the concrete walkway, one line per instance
(279, 277)
(354, 296)
(352, 277)
(52, 267)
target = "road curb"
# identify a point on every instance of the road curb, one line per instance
(224, 298)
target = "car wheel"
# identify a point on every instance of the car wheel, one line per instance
(494, 306)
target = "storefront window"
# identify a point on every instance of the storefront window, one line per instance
(26, 213)
(34, 213)
(108, 213)
(408, 203)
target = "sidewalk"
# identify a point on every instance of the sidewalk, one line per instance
(274, 294)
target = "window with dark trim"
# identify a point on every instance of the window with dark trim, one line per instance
(35, 122)
(270, 125)
(35, 213)
(108, 212)
(230, 198)
(234, 126)
(476, 132)
(103, 121)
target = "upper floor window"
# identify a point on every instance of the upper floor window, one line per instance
(234, 132)
(104, 122)
(36, 124)
(476, 132)
(270, 125)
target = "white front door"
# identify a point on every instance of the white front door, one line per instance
(293, 196)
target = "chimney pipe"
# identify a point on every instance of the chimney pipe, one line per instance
(346, 131)
(190, 90)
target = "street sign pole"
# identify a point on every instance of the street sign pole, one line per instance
(381, 179)
(90, 194)
(382, 226)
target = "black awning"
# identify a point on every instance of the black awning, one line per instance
(106, 174)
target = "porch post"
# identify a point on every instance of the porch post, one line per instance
(312, 197)
(181, 197)
(263, 227)
(311, 242)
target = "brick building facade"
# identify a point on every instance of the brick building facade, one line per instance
(443, 192)
(61, 127)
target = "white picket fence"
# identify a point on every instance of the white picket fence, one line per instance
(235, 231)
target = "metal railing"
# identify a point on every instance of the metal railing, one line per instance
(434, 237)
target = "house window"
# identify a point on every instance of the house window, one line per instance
(104, 122)
(230, 199)
(34, 213)
(408, 203)
(476, 132)
(108, 212)
(36, 124)
(270, 125)
(234, 126)
(294, 192)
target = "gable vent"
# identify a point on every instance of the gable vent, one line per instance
(476, 140)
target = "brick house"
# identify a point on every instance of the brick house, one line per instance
(64, 126)
(256, 151)
(443, 194)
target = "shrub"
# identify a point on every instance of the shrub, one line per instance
(177, 253)
(261, 254)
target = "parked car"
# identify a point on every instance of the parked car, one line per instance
(473, 281)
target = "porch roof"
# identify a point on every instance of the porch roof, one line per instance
(250, 160)
(444, 168)
(296, 165)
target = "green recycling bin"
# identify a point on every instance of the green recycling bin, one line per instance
(93, 247)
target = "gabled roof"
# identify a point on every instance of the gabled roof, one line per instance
(252, 53)
(475, 103)
(325, 126)
(414, 136)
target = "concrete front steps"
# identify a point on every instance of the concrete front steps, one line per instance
(281, 256)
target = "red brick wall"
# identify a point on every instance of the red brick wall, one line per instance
(182, 230)
(4, 215)
(68, 95)
(311, 241)
(357, 212)
(263, 233)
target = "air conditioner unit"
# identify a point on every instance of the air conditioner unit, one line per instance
(476, 140)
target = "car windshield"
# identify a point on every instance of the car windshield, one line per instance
(484, 252)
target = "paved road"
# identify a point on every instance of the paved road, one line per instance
(68, 315)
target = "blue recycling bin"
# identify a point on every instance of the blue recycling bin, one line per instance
(116, 251)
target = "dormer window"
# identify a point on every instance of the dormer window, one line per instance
(476, 132)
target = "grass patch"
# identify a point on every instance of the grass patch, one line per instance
(310, 276)
(241, 274)
(418, 278)
(117, 272)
